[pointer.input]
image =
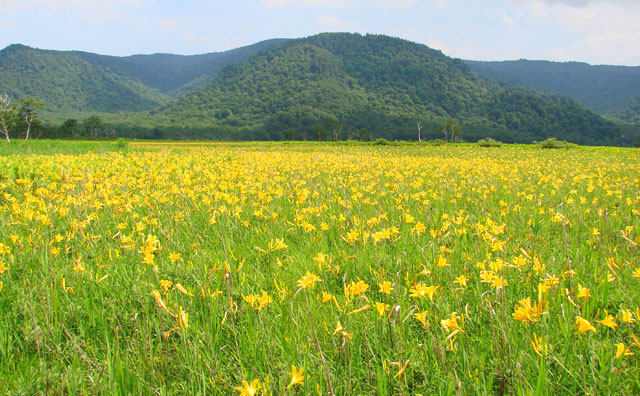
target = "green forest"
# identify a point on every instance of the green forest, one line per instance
(332, 86)
(613, 91)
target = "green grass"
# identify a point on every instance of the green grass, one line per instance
(48, 147)
(86, 216)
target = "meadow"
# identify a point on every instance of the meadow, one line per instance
(284, 269)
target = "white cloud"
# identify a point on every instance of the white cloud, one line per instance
(398, 3)
(322, 3)
(509, 21)
(90, 8)
(388, 4)
(586, 3)
(604, 31)
(168, 24)
(331, 21)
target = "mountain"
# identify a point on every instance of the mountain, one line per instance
(380, 83)
(345, 84)
(609, 90)
(71, 82)
(174, 74)
(66, 82)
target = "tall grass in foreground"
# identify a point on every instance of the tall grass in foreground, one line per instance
(401, 270)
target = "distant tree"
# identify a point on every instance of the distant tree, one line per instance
(93, 126)
(69, 128)
(290, 134)
(8, 115)
(451, 127)
(27, 110)
(419, 123)
(319, 132)
(363, 134)
(333, 125)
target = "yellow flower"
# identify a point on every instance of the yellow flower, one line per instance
(248, 389)
(386, 287)
(539, 345)
(165, 284)
(497, 245)
(486, 276)
(264, 300)
(627, 316)
(355, 289)
(621, 351)
(2, 267)
(419, 228)
(296, 377)
(452, 322)
(584, 325)
(461, 280)
(4, 249)
(277, 245)
(174, 257)
(422, 318)
(381, 308)
(608, 321)
(308, 281)
(421, 290)
(498, 282)
(183, 319)
(527, 312)
(520, 261)
(159, 301)
(583, 292)
(182, 290)
(341, 331)
(361, 309)
(442, 262)
(326, 297)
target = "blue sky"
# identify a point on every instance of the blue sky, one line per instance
(593, 31)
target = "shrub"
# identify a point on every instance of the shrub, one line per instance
(435, 142)
(489, 142)
(121, 144)
(381, 142)
(553, 143)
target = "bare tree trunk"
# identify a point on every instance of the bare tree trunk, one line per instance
(5, 132)
(28, 119)
(419, 131)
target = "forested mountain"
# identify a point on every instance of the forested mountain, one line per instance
(610, 90)
(174, 74)
(335, 85)
(382, 84)
(66, 82)
(71, 82)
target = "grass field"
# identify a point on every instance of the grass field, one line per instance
(212, 269)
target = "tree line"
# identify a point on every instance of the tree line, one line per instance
(19, 119)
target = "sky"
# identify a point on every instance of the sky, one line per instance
(592, 31)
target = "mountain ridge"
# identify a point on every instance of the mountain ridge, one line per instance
(606, 89)
(374, 82)
(391, 81)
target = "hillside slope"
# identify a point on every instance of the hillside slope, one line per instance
(71, 82)
(175, 74)
(67, 83)
(609, 90)
(380, 83)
